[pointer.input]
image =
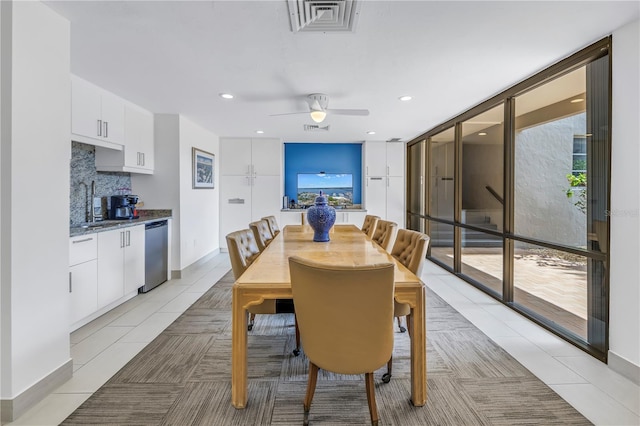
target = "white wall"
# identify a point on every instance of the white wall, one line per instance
(195, 225)
(35, 196)
(624, 340)
(199, 225)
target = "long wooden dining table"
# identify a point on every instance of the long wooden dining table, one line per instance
(268, 278)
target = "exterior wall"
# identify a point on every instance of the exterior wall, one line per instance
(624, 325)
(543, 159)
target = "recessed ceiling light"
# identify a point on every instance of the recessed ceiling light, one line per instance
(576, 100)
(482, 134)
(371, 132)
(405, 98)
(226, 95)
(259, 132)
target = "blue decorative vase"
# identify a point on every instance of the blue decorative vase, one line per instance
(321, 217)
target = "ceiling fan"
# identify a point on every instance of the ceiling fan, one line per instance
(318, 110)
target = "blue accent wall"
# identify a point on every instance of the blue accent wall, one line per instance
(325, 157)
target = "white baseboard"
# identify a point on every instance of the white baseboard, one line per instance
(186, 271)
(11, 409)
(625, 367)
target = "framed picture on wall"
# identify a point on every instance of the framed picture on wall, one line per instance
(203, 169)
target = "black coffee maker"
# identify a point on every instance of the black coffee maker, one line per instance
(123, 207)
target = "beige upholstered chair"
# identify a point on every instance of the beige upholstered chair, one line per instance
(385, 233)
(410, 249)
(243, 250)
(273, 225)
(262, 233)
(369, 224)
(340, 333)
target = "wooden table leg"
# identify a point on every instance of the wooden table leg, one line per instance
(419, 351)
(238, 351)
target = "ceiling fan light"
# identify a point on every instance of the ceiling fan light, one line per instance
(318, 116)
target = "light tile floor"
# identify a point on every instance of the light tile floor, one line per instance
(105, 345)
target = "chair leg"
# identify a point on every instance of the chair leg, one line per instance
(311, 388)
(252, 318)
(296, 351)
(386, 377)
(371, 398)
(402, 329)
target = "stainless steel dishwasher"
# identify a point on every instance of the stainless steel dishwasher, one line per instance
(155, 256)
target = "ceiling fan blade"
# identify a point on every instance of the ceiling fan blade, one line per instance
(348, 111)
(289, 113)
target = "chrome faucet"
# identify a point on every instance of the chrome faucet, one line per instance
(93, 202)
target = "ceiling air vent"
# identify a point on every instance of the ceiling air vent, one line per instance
(394, 140)
(323, 15)
(315, 128)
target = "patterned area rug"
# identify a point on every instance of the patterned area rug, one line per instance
(183, 377)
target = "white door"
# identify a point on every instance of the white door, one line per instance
(376, 198)
(110, 267)
(85, 108)
(375, 156)
(235, 205)
(266, 156)
(133, 259)
(83, 287)
(395, 200)
(395, 158)
(235, 156)
(266, 198)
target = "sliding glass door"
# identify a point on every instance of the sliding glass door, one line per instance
(518, 194)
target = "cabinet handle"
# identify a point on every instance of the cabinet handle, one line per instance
(128, 238)
(137, 158)
(84, 240)
(144, 160)
(387, 170)
(121, 239)
(99, 127)
(70, 283)
(106, 129)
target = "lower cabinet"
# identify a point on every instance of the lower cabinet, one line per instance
(120, 263)
(83, 277)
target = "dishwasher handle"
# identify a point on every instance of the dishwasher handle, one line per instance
(155, 224)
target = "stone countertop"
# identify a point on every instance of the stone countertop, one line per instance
(145, 216)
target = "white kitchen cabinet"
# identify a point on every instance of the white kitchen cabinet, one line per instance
(97, 116)
(83, 277)
(120, 263)
(137, 155)
(384, 180)
(250, 182)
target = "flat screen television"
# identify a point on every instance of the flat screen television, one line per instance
(337, 187)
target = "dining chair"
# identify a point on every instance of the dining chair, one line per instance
(410, 249)
(243, 250)
(369, 224)
(262, 233)
(340, 333)
(384, 233)
(273, 225)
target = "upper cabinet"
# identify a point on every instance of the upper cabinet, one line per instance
(251, 157)
(137, 155)
(97, 116)
(384, 158)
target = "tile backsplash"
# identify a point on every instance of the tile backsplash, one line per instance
(83, 172)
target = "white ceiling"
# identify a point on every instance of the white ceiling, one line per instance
(177, 56)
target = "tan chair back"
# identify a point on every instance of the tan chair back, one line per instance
(262, 233)
(345, 314)
(385, 233)
(410, 248)
(273, 225)
(369, 224)
(243, 250)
